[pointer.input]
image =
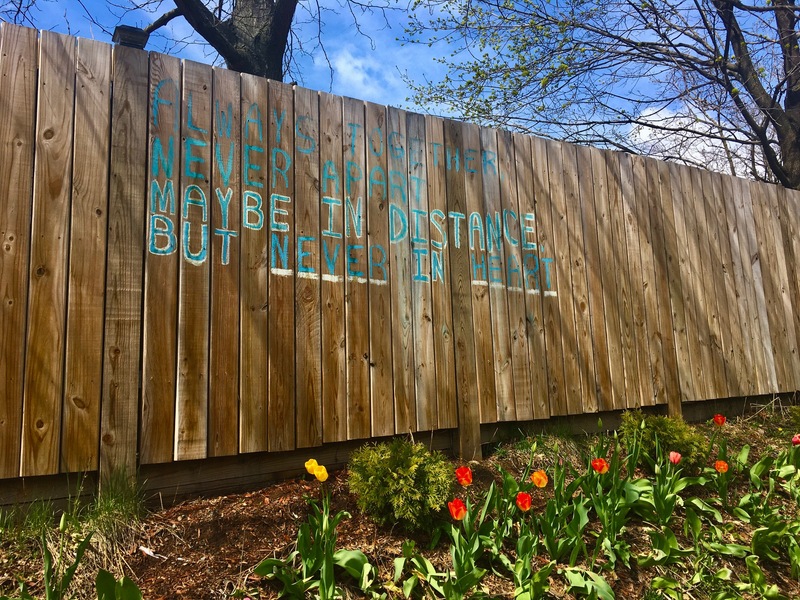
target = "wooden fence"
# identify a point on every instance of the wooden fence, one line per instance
(197, 263)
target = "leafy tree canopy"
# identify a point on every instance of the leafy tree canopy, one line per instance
(674, 78)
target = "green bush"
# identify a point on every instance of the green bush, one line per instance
(673, 434)
(400, 482)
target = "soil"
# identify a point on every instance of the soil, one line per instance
(207, 548)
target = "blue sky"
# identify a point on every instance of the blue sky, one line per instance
(363, 68)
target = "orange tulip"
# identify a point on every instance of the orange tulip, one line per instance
(719, 420)
(721, 466)
(539, 478)
(674, 457)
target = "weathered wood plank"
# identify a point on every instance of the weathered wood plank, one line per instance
(223, 365)
(621, 268)
(356, 259)
(708, 308)
(599, 395)
(496, 274)
(281, 314)
(84, 350)
(606, 249)
(254, 268)
(548, 276)
(441, 290)
(719, 259)
(383, 336)
(421, 272)
(790, 228)
(569, 400)
(469, 444)
(123, 313)
(514, 278)
(765, 377)
(528, 191)
(308, 330)
(662, 333)
(18, 71)
(194, 271)
(640, 360)
(334, 357)
(160, 327)
(579, 290)
(47, 311)
(400, 273)
(465, 157)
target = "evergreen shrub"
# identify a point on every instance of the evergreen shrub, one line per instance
(673, 434)
(400, 482)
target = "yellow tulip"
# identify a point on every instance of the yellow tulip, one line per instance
(311, 464)
(320, 472)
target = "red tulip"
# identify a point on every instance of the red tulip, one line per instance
(719, 420)
(674, 457)
(524, 501)
(458, 510)
(721, 466)
(464, 476)
(600, 465)
(796, 439)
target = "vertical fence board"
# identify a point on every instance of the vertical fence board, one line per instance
(515, 283)
(356, 259)
(84, 359)
(599, 395)
(765, 373)
(651, 361)
(467, 157)
(633, 181)
(281, 314)
(334, 357)
(45, 343)
(160, 326)
(400, 272)
(548, 282)
(123, 314)
(191, 405)
(710, 283)
(496, 273)
(308, 332)
(670, 392)
(563, 192)
(18, 71)
(784, 283)
(790, 226)
(609, 265)
(254, 268)
(383, 337)
(421, 292)
(461, 290)
(621, 268)
(529, 239)
(719, 259)
(224, 248)
(744, 366)
(587, 401)
(441, 290)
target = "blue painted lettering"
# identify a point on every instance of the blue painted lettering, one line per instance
(195, 196)
(278, 122)
(189, 158)
(494, 232)
(437, 266)
(495, 267)
(397, 182)
(476, 226)
(453, 158)
(420, 255)
(457, 218)
(226, 235)
(249, 165)
(158, 157)
(287, 163)
(224, 204)
(162, 199)
(377, 178)
(330, 259)
(513, 273)
(311, 143)
(478, 266)
(226, 169)
(417, 237)
(376, 150)
(440, 227)
(251, 207)
(162, 229)
(274, 224)
(352, 260)
(488, 159)
(254, 118)
(377, 263)
(398, 224)
(330, 175)
(507, 229)
(279, 248)
(190, 120)
(396, 148)
(224, 121)
(353, 216)
(158, 100)
(530, 269)
(528, 229)
(199, 257)
(354, 174)
(354, 127)
(302, 253)
(469, 156)
(331, 203)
